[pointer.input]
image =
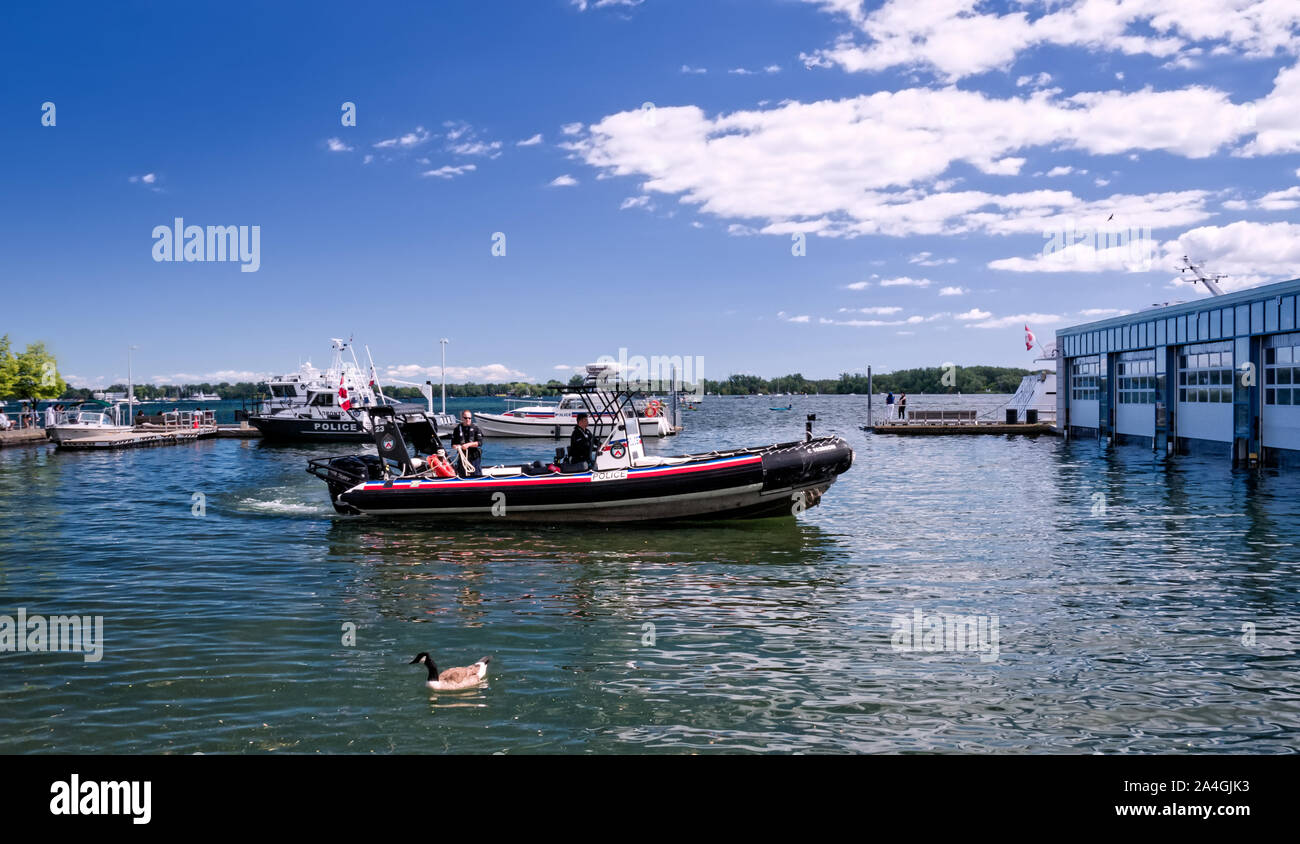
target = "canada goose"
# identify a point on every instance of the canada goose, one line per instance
(453, 678)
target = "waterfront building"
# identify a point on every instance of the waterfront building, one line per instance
(1220, 375)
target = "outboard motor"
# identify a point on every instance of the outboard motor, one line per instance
(388, 438)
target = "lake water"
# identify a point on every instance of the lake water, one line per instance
(1142, 604)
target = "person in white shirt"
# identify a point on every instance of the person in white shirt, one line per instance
(5, 424)
(51, 417)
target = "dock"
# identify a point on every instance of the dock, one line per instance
(140, 438)
(905, 429)
(22, 436)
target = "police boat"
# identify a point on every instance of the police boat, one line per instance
(622, 485)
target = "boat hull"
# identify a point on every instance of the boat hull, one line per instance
(781, 480)
(553, 427)
(290, 428)
(67, 433)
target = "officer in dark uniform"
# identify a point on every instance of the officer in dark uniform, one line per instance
(582, 443)
(468, 435)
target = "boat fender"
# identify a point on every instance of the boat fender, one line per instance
(441, 467)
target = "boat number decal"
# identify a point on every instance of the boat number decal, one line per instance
(611, 475)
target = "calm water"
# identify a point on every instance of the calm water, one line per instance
(1121, 583)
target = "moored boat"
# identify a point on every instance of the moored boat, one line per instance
(556, 421)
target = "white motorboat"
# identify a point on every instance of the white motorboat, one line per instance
(91, 419)
(556, 421)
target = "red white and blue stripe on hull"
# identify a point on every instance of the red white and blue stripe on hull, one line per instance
(777, 480)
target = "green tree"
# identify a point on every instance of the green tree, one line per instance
(35, 374)
(8, 368)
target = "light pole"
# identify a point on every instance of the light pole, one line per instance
(444, 341)
(130, 387)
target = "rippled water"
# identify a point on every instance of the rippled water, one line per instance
(1121, 582)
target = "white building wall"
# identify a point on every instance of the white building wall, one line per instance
(1084, 413)
(1136, 419)
(1280, 427)
(1205, 421)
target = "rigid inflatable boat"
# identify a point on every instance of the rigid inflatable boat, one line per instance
(623, 485)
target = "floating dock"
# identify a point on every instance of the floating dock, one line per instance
(921, 429)
(140, 438)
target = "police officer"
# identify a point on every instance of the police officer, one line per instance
(582, 442)
(470, 438)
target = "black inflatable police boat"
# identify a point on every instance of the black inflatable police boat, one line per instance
(624, 485)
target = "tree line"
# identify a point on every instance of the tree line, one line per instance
(933, 379)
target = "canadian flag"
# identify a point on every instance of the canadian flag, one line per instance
(344, 401)
(1030, 339)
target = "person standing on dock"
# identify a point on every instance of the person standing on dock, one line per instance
(51, 417)
(468, 440)
(902, 406)
(889, 405)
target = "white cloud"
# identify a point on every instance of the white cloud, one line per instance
(787, 318)
(492, 372)
(740, 71)
(905, 281)
(1113, 251)
(447, 171)
(530, 142)
(696, 70)
(1280, 200)
(1040, 80)
(1097, 312)
(336, 145)
(584, 5)
(860, 165)
(410, 139)
(635, 202)
(1062, 170)
(953, 291)
(1018, 320)
(772, 68)
(959, 38)
(859, 285)
(564, 181)
(575, 128)
(880, 310)
(973, 313)
(1247, 253)
(927, 259)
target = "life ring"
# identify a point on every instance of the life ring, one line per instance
(652, 409)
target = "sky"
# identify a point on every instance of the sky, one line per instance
(767, 186)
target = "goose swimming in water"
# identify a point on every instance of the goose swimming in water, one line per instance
(453, 678)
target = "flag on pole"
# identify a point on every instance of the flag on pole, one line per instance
(344, 401)
(1029, 339)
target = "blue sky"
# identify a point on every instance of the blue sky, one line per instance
(925, 152)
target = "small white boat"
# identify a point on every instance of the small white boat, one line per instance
(92, 421)
(556, 421)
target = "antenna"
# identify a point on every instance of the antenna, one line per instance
(1210, 282)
